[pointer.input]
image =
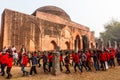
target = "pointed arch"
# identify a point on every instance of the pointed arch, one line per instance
(77, 43)
(54, 44)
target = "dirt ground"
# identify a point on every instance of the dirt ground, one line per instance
(110, 74)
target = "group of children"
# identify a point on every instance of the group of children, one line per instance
(83, 60)
(6, 59)
(97, 59)
(8, 56)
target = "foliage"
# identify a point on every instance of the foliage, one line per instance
(112, 32)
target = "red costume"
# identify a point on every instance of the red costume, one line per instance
(102, 57)
(88, 56)
(76, 59)
(107, 56)
(0, 58)
(61, 58)
(9, 63)
(112, 54)
(50, 57)
(4, 58)
(24, 60)
(73, 54)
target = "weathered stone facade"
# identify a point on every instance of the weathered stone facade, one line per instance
(45, 29)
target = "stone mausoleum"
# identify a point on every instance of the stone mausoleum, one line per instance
(46, 28)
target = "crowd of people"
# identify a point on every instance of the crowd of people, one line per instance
(84, 60)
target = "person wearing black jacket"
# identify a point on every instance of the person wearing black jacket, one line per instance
(95, 59)
(34, 63)
(38, 58)
(118, 57)
(67, 61)
(45, 58)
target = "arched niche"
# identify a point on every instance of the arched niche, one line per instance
(85, 42)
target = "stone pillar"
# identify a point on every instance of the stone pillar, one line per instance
(77, 44)
(56, 63)
(109, 42)
(81, 43)
(100, 44)
(115, 44)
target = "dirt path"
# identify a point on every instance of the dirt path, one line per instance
(111, 74)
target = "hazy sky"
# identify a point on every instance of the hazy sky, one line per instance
(91, 13)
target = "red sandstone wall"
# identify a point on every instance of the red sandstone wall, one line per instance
(21, 29)
(56, 19)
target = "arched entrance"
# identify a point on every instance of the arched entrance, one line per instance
(54, 45)
(77, 43)
(67, 45)
(85, 42)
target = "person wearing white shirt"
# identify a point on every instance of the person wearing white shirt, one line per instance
(15, 57)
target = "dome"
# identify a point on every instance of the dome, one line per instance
(55, 11)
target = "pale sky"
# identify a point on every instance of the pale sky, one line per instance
(91, 13)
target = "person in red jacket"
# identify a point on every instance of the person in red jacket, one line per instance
(4, 60)
(103, 58)
(9, 65)
(61, 61)
(112, 57)
(72, 56)
(24, 64)
(50, 57)
(108, 56)
(77, 62)
(88, 61)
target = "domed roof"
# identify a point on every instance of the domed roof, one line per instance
(55, 11)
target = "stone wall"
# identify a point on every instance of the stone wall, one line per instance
(51, 28)
(20, 29)
(43, 31)
(59, 20)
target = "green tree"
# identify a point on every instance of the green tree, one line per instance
(112, 32)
